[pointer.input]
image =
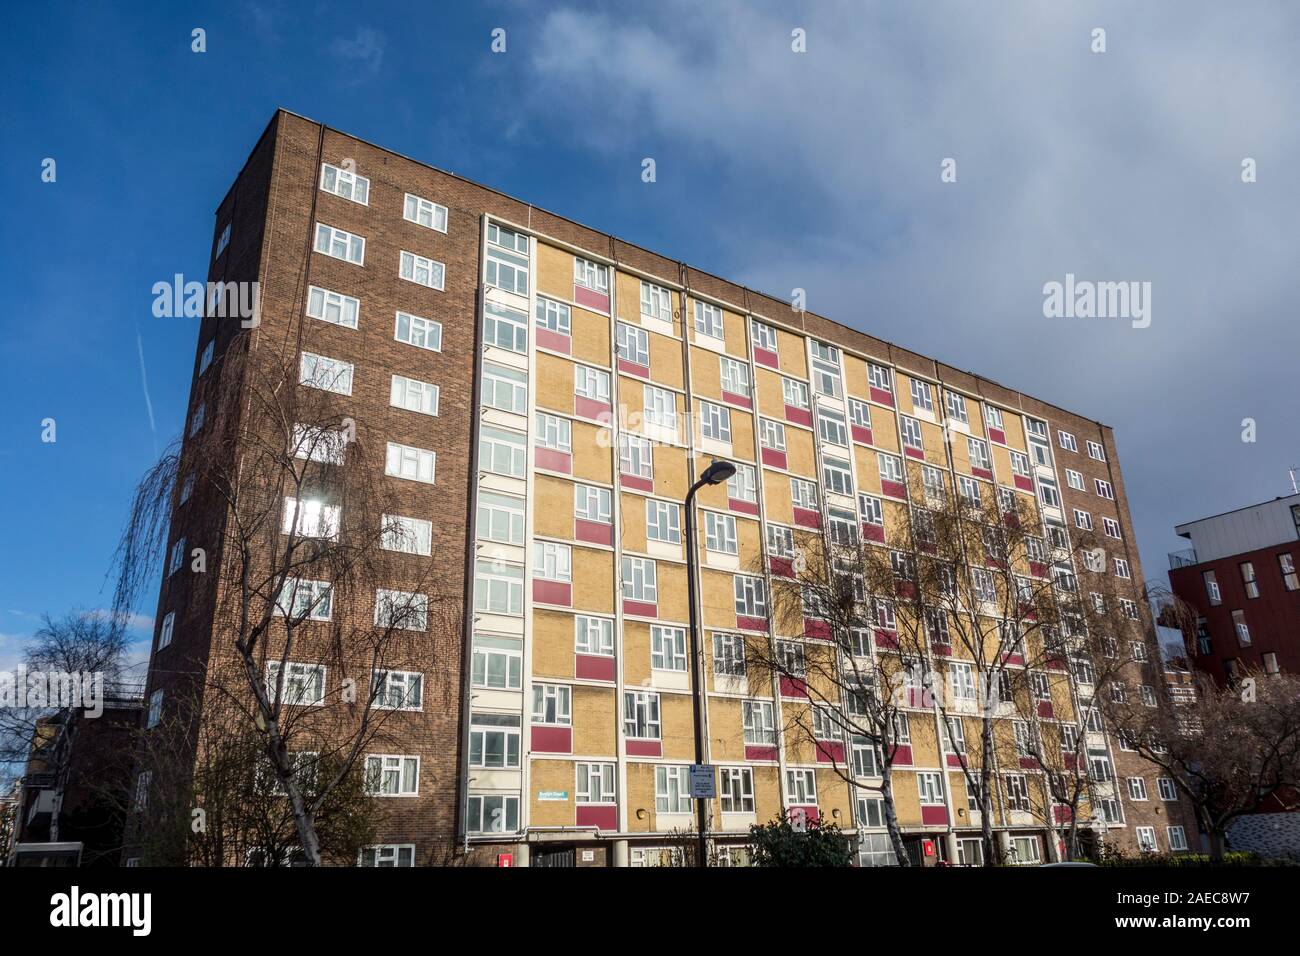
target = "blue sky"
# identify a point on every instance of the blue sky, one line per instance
(781, 170)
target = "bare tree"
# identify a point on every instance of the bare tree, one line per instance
(286, 529)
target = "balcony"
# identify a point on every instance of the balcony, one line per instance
(1182, 559)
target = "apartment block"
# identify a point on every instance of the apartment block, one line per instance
(558, 391)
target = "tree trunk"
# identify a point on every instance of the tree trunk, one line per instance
(891, 818)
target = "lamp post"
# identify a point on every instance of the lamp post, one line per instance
(715, 474)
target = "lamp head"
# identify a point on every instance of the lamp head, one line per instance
(718, 472)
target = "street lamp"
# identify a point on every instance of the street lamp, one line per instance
(715, 474)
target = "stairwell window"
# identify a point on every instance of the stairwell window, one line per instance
(345, 183)
(338, 244)
(501, 517)
(177, 556)
(222, 241)
(498, 588)
(494, 741)
(826, 369)
(422, 212)
(501, 451)
(507, 260)
(205, 357)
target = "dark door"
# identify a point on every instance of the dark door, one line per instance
(553, 856)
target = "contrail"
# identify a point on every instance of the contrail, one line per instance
(144, 382)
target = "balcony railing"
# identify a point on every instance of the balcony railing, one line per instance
(1182, 559)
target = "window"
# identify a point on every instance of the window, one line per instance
(165, 632)
(764, 335)
(1286, 566)
(310, 518)
(205, 357)
(222, 241)
(391, 775)
(553, 316)
(155, 709)
(867, 759)
(554, 433)
(736, 789)
(1017, 790)
(1096, 452)
(595, 783)
(498, 588)
(954, 735)
(1239, 625)
(1248, 579)
(345, 183)
(1082, 519)
(891, 467)
(1025, 850)
(387, 855)
(327, 374)
(728, 655)
(501, 517)
(759, 722)
(970, 491)
(635, 456)
(398, 690)
(663, 521)
(720, 533)
(911, 433)
(715, 422)
(552, 561)
(641, 715)
(1137, 788)
(196, 422)
(507, 260)
(956, 405)
(404, 610)
(424, 213)
(825, 369)
(837, 476)
(672, 790)
(1212, 587)
(979, 454)
(1019, 464)
(983, 584)
(1146, 838)
(591, 383)
(497, 662)
(504, 327)
(929, 786)
(422, 271)
(772, 435)
(1177, 838)
(795, 394)
(413, 464)
(414, 395)
(800, 788)
(871, 510)
(494, 740)
(177, 557)
(332, 307)
(1048, 492)
(921, 395)
(660, 407)
(831, 428)
(859, 413)
(1104, 489)
(1269, 659)
(590, 275)
(936, 488)
(639, 583)
(593, 635)
(880, 377)
(506, 388)
(501, 451)
(751, 596)
(735, 376)
(708, 319)
(1167, 788)
(552, 704)
(305, 600)
(780, 541)
(633, 345)
(743, 485)
(142, 782)
(656, 302)
(340, 245)
(1066, 441)
(1121, 568)
(1074, 479)
(591, 503)
(667, 648)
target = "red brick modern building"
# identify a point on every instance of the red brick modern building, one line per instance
(1242, 575)
(548, 393)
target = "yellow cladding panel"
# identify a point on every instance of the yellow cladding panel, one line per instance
(633, 526)
(636, 654)
(974, 420)
(706, 373)
(726, 726)
(593, 580)
(1014, 427)
(796, 719)
(718, 594)
(676, 711)
(627, 293)
(553, 644)
(856, 383)
(793, 354)
(884, 430)
(957, 791)
(666, 361)
(749, 538)
(833, 794)
(1001, 462)
(867, 467)
(800, 453)
(734, 333)
(672, 591)
(778, 505)
(932, 439)
(554, 272)
(590, 337)
(553, 777)
(907, 800)
(641, 796)
(767, 794)
(592, 454)
(742, 435)
(554, 384)
(925, 747)
(771, 397)
(595, 716)
(670, 472)
(553, 507)
(961, 456)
